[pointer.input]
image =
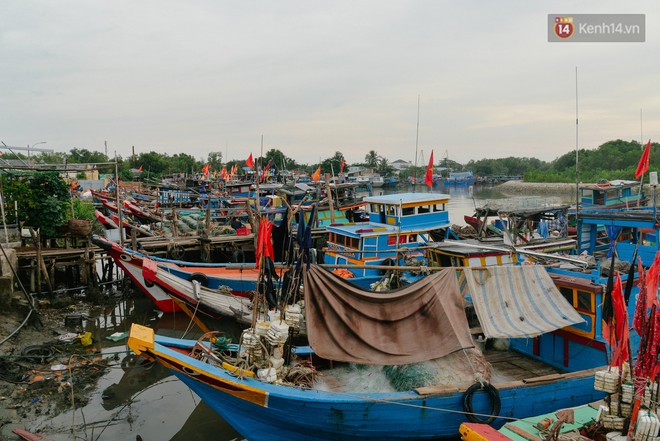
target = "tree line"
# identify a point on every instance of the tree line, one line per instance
(615, 159)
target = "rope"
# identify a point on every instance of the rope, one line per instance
(438, 409)
(192, 319)
(19, 327)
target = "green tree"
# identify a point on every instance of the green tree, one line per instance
(384, 167)
(83, 156)
(47, 203)
(215, 159)
(332, 164)
(371, 159)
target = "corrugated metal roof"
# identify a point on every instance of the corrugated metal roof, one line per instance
(517, 301)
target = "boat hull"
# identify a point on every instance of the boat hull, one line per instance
(263, 411)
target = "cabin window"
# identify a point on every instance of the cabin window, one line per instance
(391, 240)
(439, 207)
(568, 294)
(408, 211)
(425, 209)
(391, 210)
(352, 242)
(412, 238)
(599, 198)
(403, 239)
(584, 301)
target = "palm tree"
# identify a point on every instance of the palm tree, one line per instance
(371, 159)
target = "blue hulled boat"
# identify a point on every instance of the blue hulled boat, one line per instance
(405, 335)
(398, 225)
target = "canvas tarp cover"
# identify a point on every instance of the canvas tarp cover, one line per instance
(517, 301)
(419, 322)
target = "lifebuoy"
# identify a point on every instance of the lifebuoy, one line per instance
(201, 278)
(494, 398)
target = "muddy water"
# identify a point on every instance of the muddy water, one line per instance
(133, 399)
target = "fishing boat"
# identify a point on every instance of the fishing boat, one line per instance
(456, 178)
(524, 221)
(415, 388)
(335, 206)
(630, 408)
(614, 194)
(234, 280)
(399, 224)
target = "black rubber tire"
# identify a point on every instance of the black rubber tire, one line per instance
(201, 278)
(38, 353)
(494, 398)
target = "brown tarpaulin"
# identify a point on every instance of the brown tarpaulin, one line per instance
(419, 322)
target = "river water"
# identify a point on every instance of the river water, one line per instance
(148, 401)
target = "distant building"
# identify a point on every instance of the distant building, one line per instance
(400, 164)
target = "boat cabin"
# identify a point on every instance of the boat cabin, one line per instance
(612, 194)
(409, 211)
(396, 222)
(624, 231)
(452, 254)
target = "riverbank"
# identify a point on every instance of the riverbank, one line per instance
(520, 187)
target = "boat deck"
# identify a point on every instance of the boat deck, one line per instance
(453, 372)
(510, 366)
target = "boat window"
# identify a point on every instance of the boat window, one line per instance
(408, 211)
(412, 238)
(391, 210)
(439, 207)
(332, 237)
(568, 294)
(599, 198)
(424, 209)
(584, 301)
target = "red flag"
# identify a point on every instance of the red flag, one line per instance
(205, 169)
(428, 180)
(640, 316)
(264, 241)
(317, 174)
(343, 163)
(643, 165)
(652, 277)
(140, 168)
(263, 173)
(223, 172)
(250, 161)
(622, 342)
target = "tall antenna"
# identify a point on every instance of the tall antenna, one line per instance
(416, 144)
(577, 169)
(641, 129)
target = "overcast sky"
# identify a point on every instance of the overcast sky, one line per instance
(316, 77)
